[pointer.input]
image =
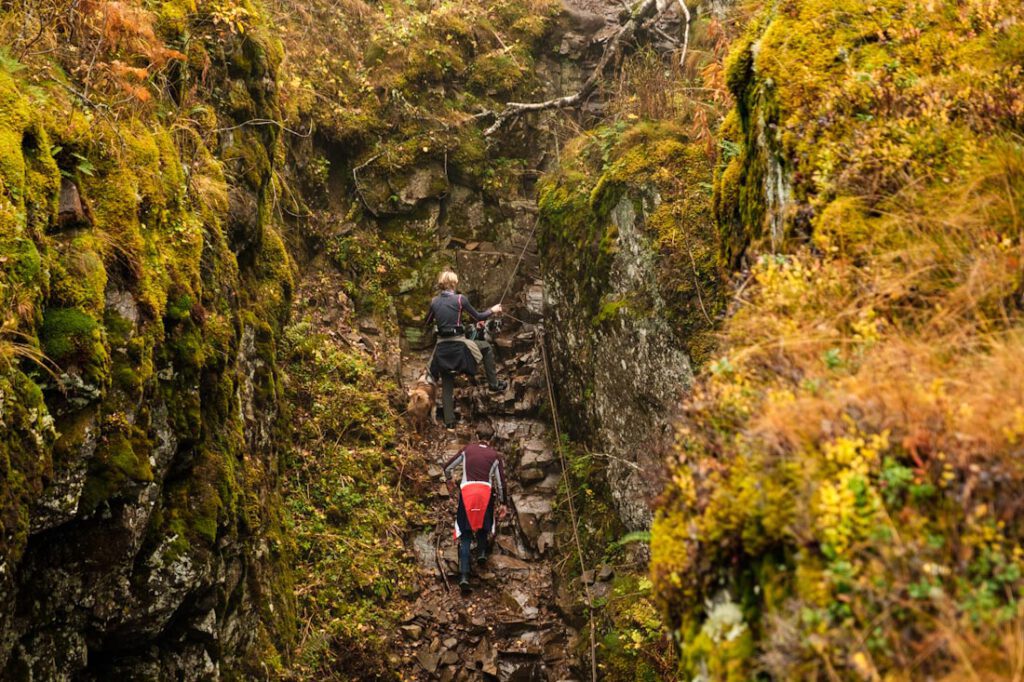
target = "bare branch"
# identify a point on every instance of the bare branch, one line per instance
(256, 122)
(686, 32)
(612, 50)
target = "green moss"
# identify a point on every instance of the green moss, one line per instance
(500, 71)
(121, 459)
(22, 264)
(665, 177)
(78, 274)
(70, 336)
(610, 310)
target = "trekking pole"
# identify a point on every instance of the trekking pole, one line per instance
(439, 533)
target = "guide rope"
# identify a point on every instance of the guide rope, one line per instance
(522, 254)
(572, 506)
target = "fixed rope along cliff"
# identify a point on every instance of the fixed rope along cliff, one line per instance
(561, 454)
(572, 506)
(519, 262)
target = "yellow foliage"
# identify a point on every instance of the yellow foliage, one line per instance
(862, 429)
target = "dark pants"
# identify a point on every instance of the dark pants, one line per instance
(467, 534)
(448, 381)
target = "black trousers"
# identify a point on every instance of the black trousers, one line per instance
(448, 381)
(466, 534)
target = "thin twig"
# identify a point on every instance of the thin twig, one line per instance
(696, 284)
(686, 32)
(625, 34)
(266, 122)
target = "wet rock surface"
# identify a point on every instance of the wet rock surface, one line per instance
(619, 382)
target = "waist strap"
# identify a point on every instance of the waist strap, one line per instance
(448, 332)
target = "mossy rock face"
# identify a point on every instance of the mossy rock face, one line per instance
(120, 460)
(75, 341)
(27, 436)
(665, 177)
(630, 259)
(799, 485)
(126, 325)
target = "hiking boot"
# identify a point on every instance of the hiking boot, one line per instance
(464, 584)
(449, 426)
(499, 386)
(481, 556)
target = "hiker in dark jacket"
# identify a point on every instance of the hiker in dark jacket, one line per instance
(454, 352)
(483, 482)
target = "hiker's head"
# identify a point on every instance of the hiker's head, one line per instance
(447, 280)
(484, 433)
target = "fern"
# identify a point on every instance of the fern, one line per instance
(9, 64)
(643, 536)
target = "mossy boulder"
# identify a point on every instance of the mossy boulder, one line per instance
(75, 341)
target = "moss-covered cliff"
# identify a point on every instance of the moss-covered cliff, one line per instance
(843, 497)
(144, 286)
(633, 289)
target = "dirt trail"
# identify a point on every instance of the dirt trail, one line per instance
(512, 626)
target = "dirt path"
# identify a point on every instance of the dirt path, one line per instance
(511, 627)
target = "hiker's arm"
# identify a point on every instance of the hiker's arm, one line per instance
(498, 474)
(455, 461)
(477, 315)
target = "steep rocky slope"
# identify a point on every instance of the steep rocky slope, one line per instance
(217, 222)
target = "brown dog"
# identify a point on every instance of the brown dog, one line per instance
(422, 399)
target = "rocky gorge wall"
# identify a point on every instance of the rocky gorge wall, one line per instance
(216, 224)
(628, 305)
(144, 286)
(779, 284)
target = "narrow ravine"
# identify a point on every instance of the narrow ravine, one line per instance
(512, 626)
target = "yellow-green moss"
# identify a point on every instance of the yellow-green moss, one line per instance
(818, 472)
(120, 460)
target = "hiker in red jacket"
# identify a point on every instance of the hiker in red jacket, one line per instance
(483, 471)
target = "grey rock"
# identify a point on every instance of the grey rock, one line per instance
(428, 660)
(531, 475)
(508, 563)
(622, 382)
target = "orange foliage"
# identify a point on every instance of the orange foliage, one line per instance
(125, 28)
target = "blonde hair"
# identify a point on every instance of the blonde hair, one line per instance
(447, 280)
